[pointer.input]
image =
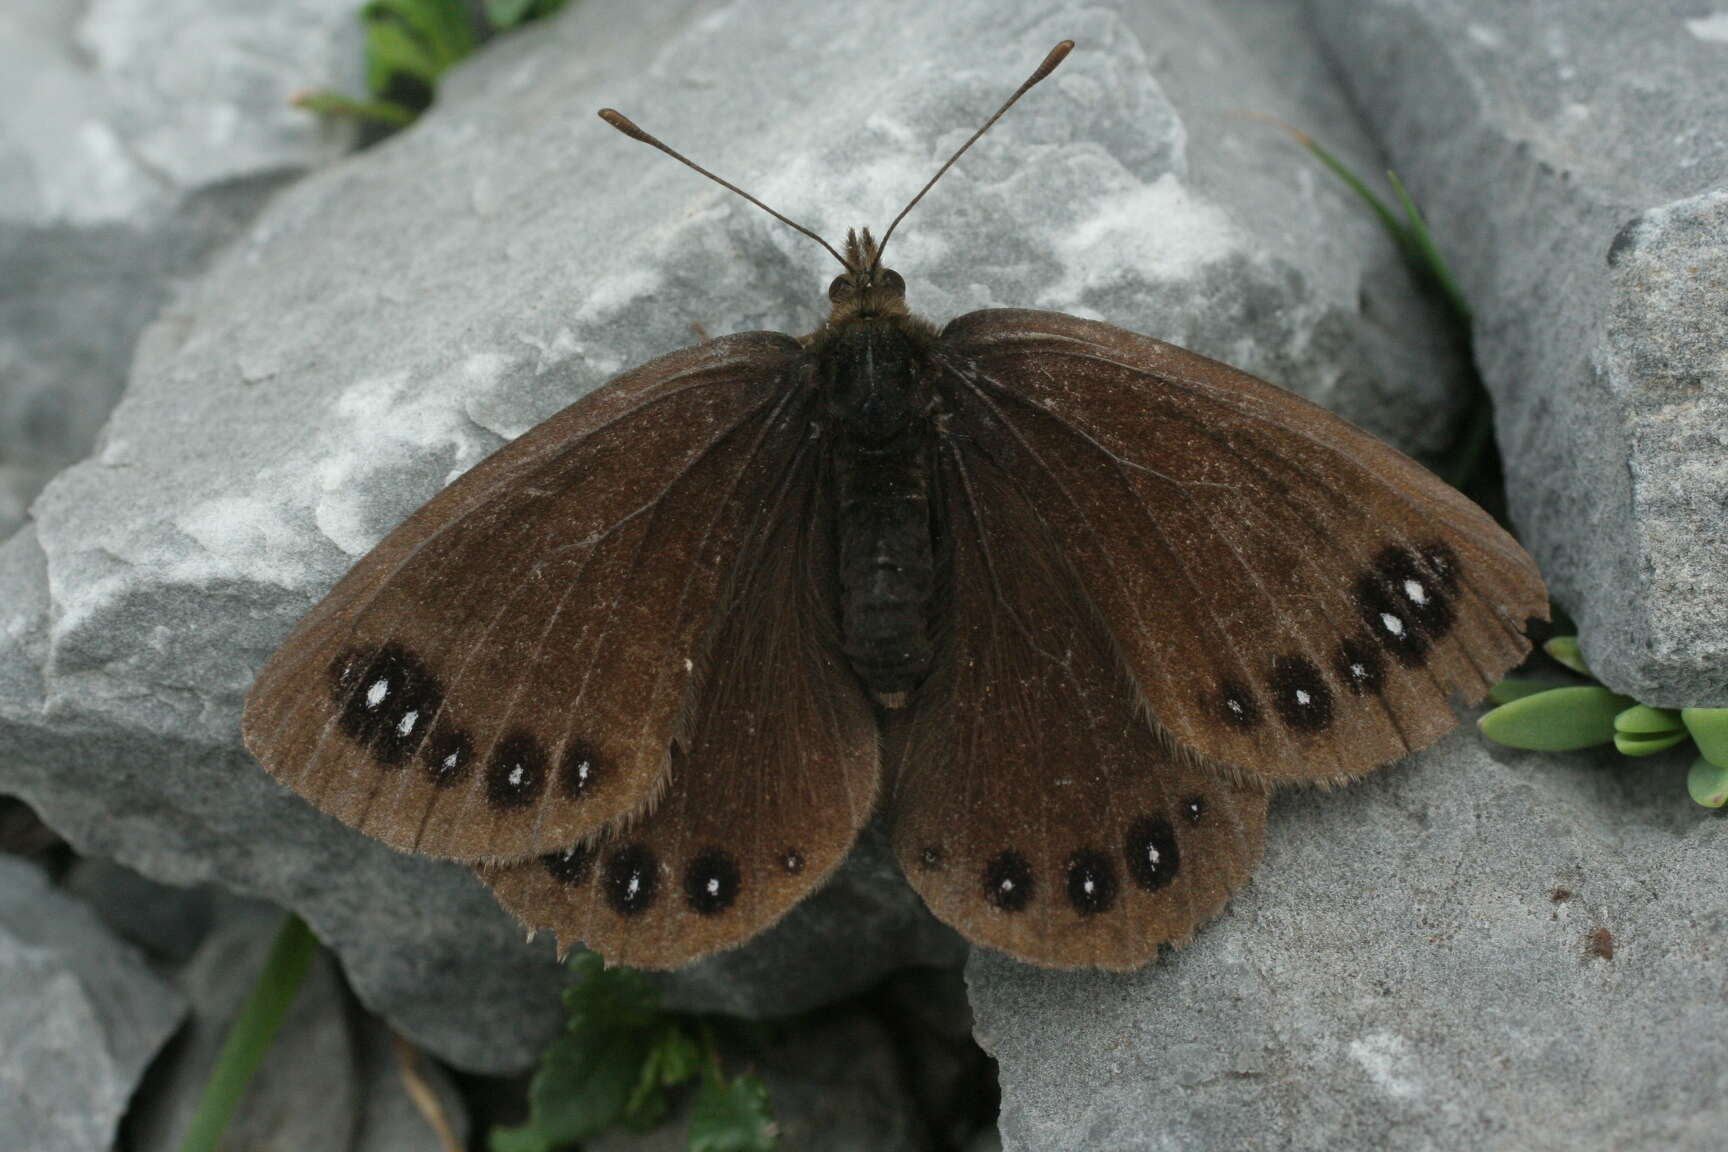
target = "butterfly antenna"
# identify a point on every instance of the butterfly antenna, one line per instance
(1056, 56)
(627, 126)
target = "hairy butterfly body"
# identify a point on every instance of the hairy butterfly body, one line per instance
(1070, 600)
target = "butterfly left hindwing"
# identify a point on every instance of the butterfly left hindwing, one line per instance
(1035, 807)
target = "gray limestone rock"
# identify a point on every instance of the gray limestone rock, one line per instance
(1415, 965)
(390, 1116)
(135, 136)
(1571, 160)
(81, 1016)
(389, 321)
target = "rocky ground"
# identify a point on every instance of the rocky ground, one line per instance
(288, 343)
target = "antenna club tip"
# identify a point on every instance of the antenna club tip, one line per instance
(1056, 56)
(624, 124)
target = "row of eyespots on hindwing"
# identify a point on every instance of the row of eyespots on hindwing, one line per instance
(1405, 602)
(1090, 881)
(392, 705)
(630, 879)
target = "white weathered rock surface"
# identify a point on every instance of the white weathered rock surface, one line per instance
(1412, 967)
(81, 1017)
(389, 321)
(135, 136)
(1571, 158)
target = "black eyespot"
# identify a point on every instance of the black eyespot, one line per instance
(579, 770)
(517, 773)
(387, 698)
(1359, 667)
(1300, 694)
(841, 288)
(447, 754)
(569, 867)
(1235, 702)
(1091, 882)
(1194, 809)
(1416, 589)
(1390, 621)
(711, 882)
(1153, 858)
(1008, 881)
(792, 862)
(632, 879)
(1443, 562)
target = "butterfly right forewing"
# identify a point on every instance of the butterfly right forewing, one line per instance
(505, 673)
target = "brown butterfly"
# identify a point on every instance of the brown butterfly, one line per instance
(1071, 598)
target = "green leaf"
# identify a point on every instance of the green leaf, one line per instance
(1709, 726)
(1565, 650)
(591, 1074)
(674, 1059)
(1708, 783)
(391, 50)
(1643, 720)
(440, 25)
(1646, 744)
(1558, 720)
(732, 1116)
(1513, 688)
(329, 103)
(509, 13)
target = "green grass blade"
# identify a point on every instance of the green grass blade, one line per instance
(327, 103)
(1353, 182)
(1423, 242)
(1558, 720)
(251, 1034)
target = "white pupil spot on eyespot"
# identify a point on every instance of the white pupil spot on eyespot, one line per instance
(1007, 885)
(1415, 591)
(1358, 672)
(516, 775)
(406, 724)
(713, 886)
(689, 664)
(1234, 706)
(451, 760)
(375, 694)
(634, 885)
(1152, 856)
(1392, 623)
(583, 769)
(1088, 886)
(1302, 697)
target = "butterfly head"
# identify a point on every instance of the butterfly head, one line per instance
(865, 288)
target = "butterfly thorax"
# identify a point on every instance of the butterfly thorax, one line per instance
(876, 396)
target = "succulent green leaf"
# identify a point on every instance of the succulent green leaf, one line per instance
(441, 26)
(1708, 783)
(1643, 720)
(1515, 688)
(1646, 744)
(390, 51)
(732, 1116)
(1565, 650)
(1558, 720)
(1709, 726)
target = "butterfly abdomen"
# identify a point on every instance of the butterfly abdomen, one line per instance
(882, 466)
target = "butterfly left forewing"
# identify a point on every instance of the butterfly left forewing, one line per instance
(765, 796)
(1291, 596)
(1035, 808)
